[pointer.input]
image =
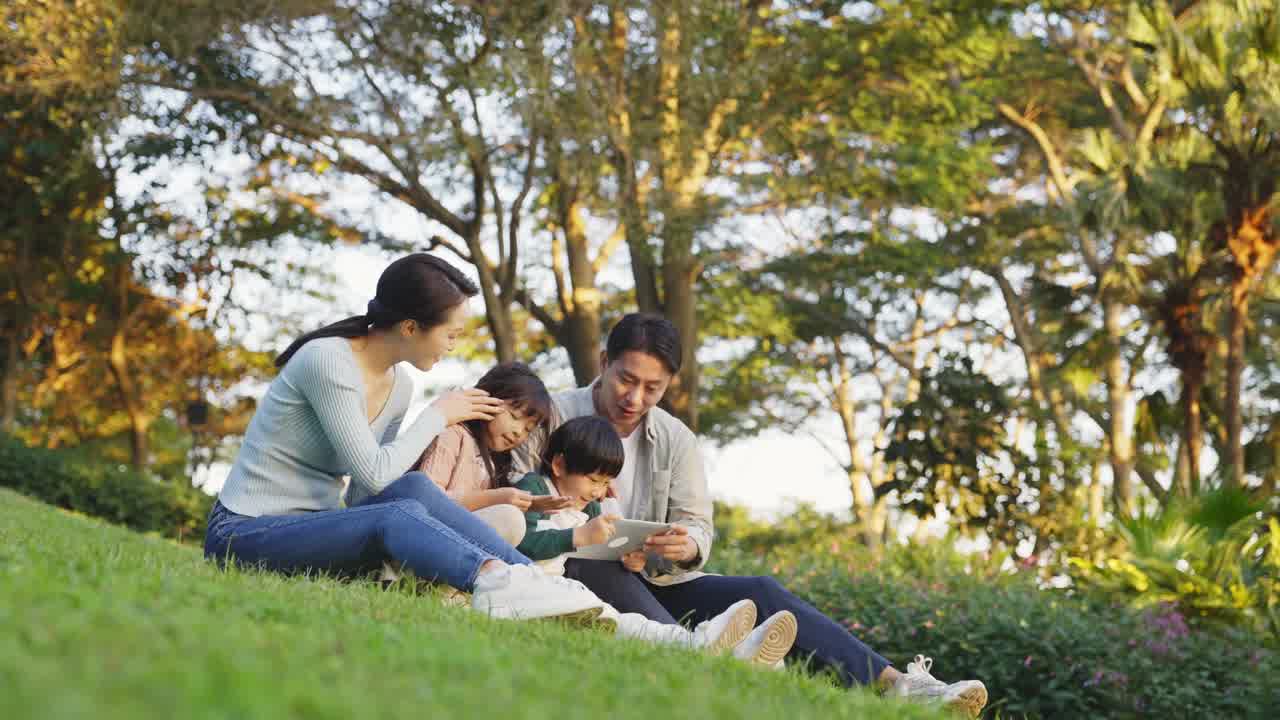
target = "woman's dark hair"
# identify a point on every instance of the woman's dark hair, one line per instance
(418, 287)
(589, 445)
(647, 333)
(515, 383)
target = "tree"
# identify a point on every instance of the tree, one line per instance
(1218, 65)
(389, 93)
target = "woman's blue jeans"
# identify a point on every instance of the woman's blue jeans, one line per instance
(412, 521)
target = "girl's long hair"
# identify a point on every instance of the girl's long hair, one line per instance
(515, 383)
(419, 287)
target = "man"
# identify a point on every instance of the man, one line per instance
(663, 480)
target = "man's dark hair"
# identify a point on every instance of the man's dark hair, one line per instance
(647, 333)
(589, 445)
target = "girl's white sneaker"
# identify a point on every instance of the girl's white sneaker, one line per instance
(523, 592)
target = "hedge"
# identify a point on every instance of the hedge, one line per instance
(117, 494)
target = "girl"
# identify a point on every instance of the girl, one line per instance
(335, 409)
(471, 461)
(581, 459)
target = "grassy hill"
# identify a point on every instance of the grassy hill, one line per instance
(97, 621)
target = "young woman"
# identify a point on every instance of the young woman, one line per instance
(335, 409)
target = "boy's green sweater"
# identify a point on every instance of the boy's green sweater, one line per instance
(546, 544)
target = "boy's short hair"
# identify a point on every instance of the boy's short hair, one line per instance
(589, 445)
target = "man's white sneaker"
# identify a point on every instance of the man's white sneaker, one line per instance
(726, 630)
(918, 685)
(523, 592)
(770, 642)
(714, 636)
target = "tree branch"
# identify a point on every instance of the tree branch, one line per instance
(1056, 170)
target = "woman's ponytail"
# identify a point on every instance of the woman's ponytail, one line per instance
(417, 287)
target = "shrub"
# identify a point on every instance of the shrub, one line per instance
(1042, 653)
(112, 492)
(1215, 557)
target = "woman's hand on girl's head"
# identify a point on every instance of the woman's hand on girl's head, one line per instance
(514, 496)
(460, 406)
(549, 503)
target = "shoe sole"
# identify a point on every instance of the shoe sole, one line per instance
(586, 617)
(456, 598)
(970, 701)
(778, 639)
(739, 627)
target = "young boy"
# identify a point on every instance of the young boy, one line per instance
(580, 461)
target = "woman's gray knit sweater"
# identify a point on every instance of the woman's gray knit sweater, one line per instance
(311, 429)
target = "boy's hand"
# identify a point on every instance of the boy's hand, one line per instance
(549, 503)
(595, 532)
(674, 545)
(634, 561)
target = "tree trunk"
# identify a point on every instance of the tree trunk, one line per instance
(1024, 336)
(18, 320)
(1237, 319)
(1096, 495)
(643, 272)
(118, 359)
(1182, 471)
(1253, 248)
(678, 196)
(864, 496)
(581, 326)
(678, 276)
(497, 313)
(1119, 439)
(1193, 435)
(633, 196)
(9, 383)
(1188, 349)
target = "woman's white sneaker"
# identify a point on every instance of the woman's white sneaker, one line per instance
(523, 592)
(769, 643)
(916, 684)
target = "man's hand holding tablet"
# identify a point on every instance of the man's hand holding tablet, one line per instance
(674, 545)
(628, 536)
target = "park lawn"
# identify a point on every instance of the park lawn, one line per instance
(97, 621)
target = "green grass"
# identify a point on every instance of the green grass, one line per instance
(97, 621)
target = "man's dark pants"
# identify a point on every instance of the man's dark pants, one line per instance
(820, 641)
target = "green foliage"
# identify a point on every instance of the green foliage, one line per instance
(1041, 652)
(113, 492)
(951, 448)
(1212, 558)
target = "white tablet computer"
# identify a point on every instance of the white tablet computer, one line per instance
(628, 535)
